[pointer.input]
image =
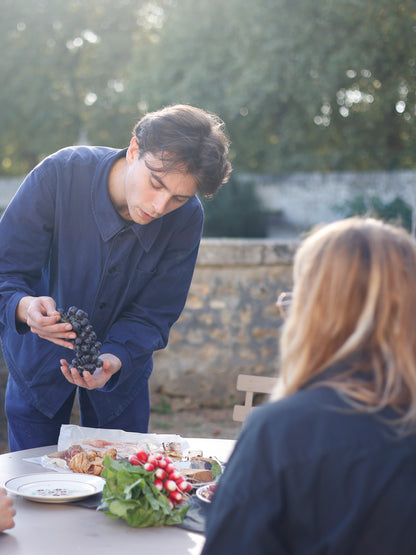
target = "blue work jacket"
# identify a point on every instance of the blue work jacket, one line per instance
(62, 237)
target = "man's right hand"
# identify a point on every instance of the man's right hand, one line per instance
(40, 314)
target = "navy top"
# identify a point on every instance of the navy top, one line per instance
(62, 237)
(310, 477)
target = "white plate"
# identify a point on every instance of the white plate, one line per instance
(55, 487)
(202, 493)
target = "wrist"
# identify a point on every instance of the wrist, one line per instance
(22, 308)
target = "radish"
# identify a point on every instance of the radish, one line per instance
(183, 485)
(160, 473)
(142, 456)
(176, 496)
(158, 485)
(170, 485)
(148, 466)
(153, 460)
(134, 460)
(174, 475)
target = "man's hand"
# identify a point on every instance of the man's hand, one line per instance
(7, 511)
(40, 314)
(111, 365)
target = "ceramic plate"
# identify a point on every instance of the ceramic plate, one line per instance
(206, 492)
(55, 487)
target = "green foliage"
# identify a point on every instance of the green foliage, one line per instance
(303, 85)
(162, 407)
(236, 211)
(129, 493)
(397, 211)
(62, 77)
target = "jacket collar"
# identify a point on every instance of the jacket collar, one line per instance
(108, 220)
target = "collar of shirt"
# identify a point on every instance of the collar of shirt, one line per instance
(109, 222)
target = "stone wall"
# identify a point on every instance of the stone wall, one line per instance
(229, 324)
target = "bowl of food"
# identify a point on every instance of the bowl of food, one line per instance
(206, 493)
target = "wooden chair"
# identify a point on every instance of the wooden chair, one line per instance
(251, 384)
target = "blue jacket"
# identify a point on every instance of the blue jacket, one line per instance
(61, 237)
(309, 476)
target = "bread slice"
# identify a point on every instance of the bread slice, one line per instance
(193, 475)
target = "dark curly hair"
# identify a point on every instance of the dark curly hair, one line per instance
(185, 136)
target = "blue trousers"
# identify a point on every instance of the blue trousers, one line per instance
(28, 427)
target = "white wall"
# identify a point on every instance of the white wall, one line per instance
(307, 199)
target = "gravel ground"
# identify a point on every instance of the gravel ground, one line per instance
(211, 423)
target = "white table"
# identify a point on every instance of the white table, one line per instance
(62, 529)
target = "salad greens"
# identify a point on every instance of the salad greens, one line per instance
(129, 493)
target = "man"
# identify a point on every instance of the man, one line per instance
(115, 233)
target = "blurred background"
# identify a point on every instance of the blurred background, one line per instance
(304, 86)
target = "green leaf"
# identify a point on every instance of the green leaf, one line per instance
(215, 468)
(129, 493)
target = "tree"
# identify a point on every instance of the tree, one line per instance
(302, 84)
(63, 75)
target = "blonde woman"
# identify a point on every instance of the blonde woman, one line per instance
(328, 466)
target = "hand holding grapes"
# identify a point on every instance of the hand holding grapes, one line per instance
(87, 369)
(111, 365)
(40, 314)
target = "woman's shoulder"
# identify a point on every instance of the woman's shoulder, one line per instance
(301, 405)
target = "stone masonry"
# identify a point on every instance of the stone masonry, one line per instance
(230, 324)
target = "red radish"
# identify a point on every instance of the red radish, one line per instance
(183, 485)
(134, 460)
(160, 473)
(174, 475)
(142, 456)
(148, 466)
(153, 460)
(169, 468)
(158, 485)
(162, 463)
(177, 496)
(170, 485)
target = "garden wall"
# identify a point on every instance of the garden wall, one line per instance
(229, 325)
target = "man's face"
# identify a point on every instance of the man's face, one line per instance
(153, 193)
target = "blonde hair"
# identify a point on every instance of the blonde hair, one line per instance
(354, 298)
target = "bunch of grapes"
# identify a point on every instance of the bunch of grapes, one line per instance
(86, 346)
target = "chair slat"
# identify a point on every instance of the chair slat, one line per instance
(251, 384)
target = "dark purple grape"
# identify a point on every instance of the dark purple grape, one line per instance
(86, 346)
